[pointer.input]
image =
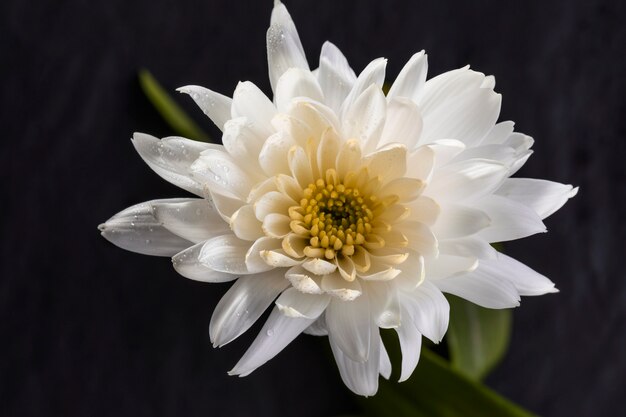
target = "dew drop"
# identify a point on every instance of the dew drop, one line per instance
(270, 332)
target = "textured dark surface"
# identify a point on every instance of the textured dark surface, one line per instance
(91, 330)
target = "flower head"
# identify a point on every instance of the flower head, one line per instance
(349, 209)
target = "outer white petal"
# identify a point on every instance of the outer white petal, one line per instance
(482, 288)
(335, 76)
(410, 344)
(385, 304)
(226, 253)
(257, 254)
(222, 174)
(304, 281)
(464, 180)
(284, 49)
(374, 73)
(428, 309)
(526, 280)
(243, 304)
(171, 158)
(467, 246)
(243, 142)
(296, 82)
(350, 327)
(136, 229)
(273, 155)
(387, 163)
(294, 303)
(457, 221)
(544, 197)
(403, 123)
(214, 105)
(188, 264)
(385, 362)
(361, 377)
(318, 328)
(467, 117)
(448, 85)
(193, 219)
(413, 273)
(337, 286)
(445, 266)
(278, 331)
(365, 118)
(245, 225)
(499, 133)
(411, 79)
(250, 102)
(509, 220)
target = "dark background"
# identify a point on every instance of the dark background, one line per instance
(91, 330)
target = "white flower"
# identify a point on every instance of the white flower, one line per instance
(349, 209)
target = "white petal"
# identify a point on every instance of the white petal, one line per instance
(300, 166)
(424, 210)
(273, 155)
(472, 247)
(304, 281)
(410, 344)
(193, 219)
(349, 157)
(222, 174)
(449, 85)
(136, 229)
(360, 377)
(447, 265)
(276, 225)
(385, 362)
(526, 280)
(296, 82)
(278, 259)
(214, 105)
(456, 221)
(327, 150)
(385, 304)
(318, 328)
(335, 285)
(319, 266)
(403, 123)
(350, 327)
(243, 142)
(243, 304)
(284, 49)
(226, 253)
(254, 259)
(509, 220)
(335, 76)
(481, 288)
(250, 102)
(277, 332)
(544, 197)
(467, 117)
(187, 263)
(387, 163)
(225, 206)
(429, 310)
(374, 73)
(411, 79)
(245, 225)
(365, 118)
(445, 150)
(273, 202)
(469, 179)
(294, 303)
(413, 272)
(171, 158)
(421, 238)
(499, 133)
(421, 163)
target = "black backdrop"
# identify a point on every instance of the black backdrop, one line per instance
(91, 330)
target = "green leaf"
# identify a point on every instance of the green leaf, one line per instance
(437, 390)
(169, 110)
(477, 337)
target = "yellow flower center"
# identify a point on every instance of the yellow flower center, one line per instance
(334, 217)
